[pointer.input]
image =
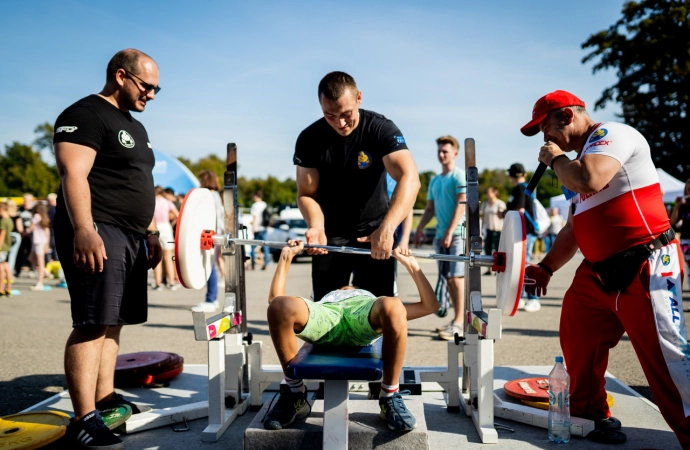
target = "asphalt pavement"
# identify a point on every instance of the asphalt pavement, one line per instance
(34, 327)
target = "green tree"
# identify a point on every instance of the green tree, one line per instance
(424, 179)
(23, 170)
(650, 49)
(44, 138)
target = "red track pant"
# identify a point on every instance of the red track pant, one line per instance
(650, 311)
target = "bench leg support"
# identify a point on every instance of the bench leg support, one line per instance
(335, 414)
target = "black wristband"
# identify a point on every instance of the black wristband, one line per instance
(546, 268)
(153, 233)
(562, 155)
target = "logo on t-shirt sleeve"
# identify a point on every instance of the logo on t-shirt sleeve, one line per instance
(65, 130)
(599, 134)
(363, 160)
(399, 139)
(126, 139)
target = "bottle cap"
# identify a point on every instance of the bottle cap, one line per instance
(559, 359)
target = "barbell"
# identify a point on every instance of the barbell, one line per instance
(196, 239)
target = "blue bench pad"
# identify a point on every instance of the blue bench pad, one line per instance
(337, 363)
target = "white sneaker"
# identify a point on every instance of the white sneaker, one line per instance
(206, 306)
(449, 333)
(532, 305)
(521, 304)
(38, 287)
(445, 327)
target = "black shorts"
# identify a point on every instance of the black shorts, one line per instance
(332, 271)
(116, 296)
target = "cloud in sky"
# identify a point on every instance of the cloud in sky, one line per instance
(247, 72)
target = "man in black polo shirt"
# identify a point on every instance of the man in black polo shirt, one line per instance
(105, 234)
(342, 160)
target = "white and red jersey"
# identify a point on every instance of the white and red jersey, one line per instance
(629, 210)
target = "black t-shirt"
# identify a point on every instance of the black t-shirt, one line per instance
(517, 200)
(121, 179)
(352, 178)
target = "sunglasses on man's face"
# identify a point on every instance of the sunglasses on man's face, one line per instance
(146, 87)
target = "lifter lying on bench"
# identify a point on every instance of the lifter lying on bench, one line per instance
(347, 317)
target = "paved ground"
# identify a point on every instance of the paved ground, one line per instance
(34, 327)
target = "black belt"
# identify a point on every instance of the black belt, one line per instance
(664, 239)
(618, 271)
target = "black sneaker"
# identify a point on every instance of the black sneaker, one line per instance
(90, 432)
(394, 411)
(118, 399)
(290, 406)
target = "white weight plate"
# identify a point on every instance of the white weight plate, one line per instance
(197, 213)
(509, 282)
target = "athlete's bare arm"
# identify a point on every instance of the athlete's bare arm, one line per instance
(74, 162)
(588, 175)
(401, 167)
(428, 302)
(307, 188)
(287, 254)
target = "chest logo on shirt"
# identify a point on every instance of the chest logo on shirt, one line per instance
(665, 260)
(599, 134)
(363, 160)
(125, 139)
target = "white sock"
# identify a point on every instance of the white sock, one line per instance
(296, 386)
(388, 391)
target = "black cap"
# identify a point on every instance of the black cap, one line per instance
(516, 169)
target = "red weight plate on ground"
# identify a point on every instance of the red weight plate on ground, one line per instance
(168, 375)
(541, 390)
(133, 363)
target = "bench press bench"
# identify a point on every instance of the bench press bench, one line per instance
(337, 366)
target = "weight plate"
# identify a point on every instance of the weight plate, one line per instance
(197, 214)
(131, 364)
(513, 243)
(27, 431)
(535, 389)
(115, 416)
(545, 405)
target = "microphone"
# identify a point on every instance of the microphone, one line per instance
(536, 177)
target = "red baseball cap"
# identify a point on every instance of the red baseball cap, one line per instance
(546, 104)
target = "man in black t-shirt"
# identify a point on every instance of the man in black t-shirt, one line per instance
(105, 234)
(342, 160)
(520, 201)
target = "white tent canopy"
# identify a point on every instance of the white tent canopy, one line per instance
(671, 187)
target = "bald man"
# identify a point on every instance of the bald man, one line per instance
(106, 235)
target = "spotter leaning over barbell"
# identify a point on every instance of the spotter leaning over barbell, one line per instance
(342, 160)
(631, 278)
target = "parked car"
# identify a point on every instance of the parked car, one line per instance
(289, 225)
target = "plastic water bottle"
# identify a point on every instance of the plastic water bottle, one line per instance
(559, 403)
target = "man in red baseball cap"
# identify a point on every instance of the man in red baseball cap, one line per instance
(631, 278)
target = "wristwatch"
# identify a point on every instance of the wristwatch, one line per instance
(153, 233)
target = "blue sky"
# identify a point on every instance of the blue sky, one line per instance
(247, 72)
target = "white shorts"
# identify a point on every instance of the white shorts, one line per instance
(166, 238)
(39, 248)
